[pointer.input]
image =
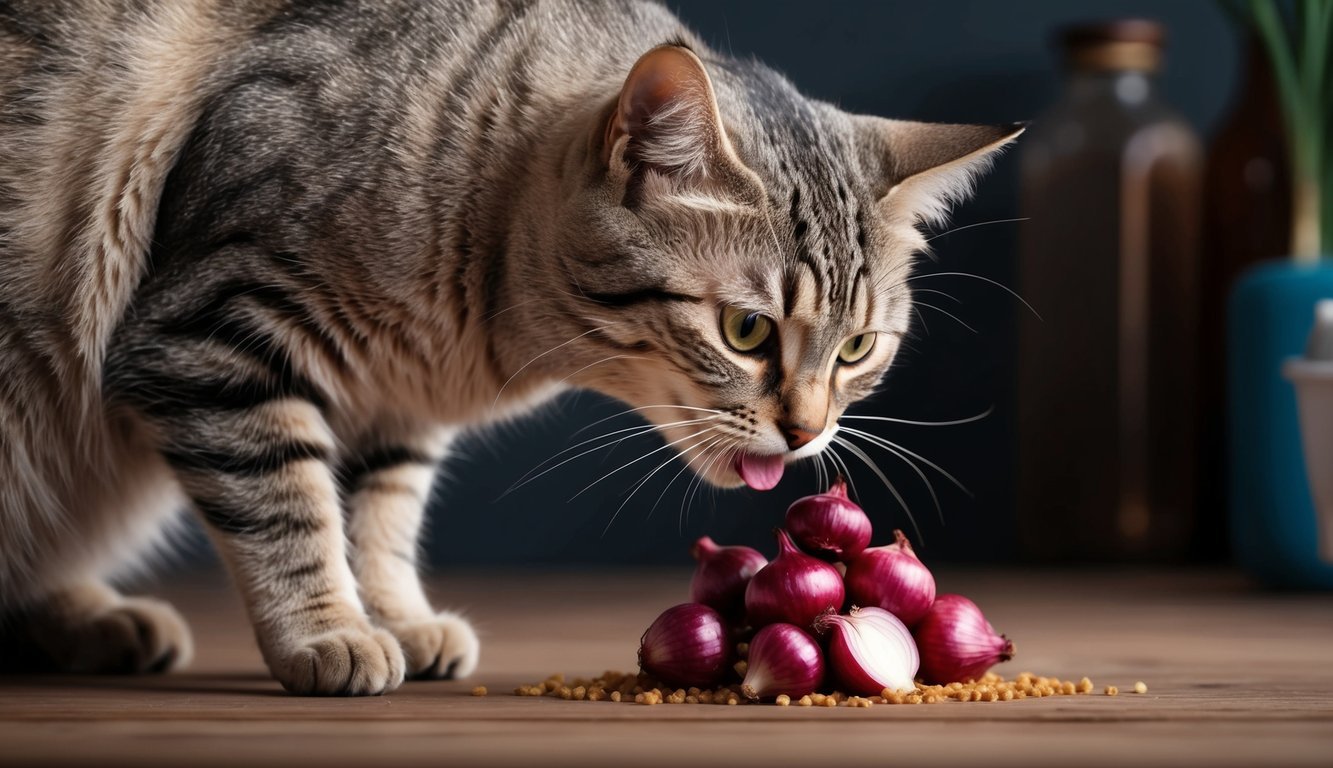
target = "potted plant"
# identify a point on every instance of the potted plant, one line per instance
(1274, 526)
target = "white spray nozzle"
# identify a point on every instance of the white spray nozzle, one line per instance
(1320, 345)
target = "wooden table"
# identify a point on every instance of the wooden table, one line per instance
(1236, 677)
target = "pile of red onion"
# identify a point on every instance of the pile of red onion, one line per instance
(871, 624)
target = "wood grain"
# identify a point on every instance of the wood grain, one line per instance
(1236, 677)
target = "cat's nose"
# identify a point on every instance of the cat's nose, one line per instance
(798, 435)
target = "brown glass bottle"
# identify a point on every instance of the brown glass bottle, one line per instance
(1246, 219)
(1109, 256)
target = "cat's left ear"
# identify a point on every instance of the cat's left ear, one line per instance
(666, 123)
(924, 168)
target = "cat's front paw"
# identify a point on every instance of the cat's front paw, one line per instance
(443, 647)
(343, 662)
(132, 636)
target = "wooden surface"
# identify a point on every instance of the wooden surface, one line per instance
(1236, 677)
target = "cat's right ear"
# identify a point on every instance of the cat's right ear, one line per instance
(666, 122)
(922, 168)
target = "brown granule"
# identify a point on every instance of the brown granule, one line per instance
(642, 689)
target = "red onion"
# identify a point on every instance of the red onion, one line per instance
(957, 644)
(795, 588)
(783, 659)
(686, 646)
(829, 525)
(722, 574)
(891, 577)
(870, 650)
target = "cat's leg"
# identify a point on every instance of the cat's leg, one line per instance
(66, 617)
(387, 484)
(89, 627)
(260, 476)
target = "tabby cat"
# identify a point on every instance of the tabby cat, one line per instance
(265, 259)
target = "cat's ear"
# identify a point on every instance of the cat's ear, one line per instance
(924, 168)
(666, 121)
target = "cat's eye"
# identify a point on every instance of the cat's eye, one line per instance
(857, 347)
(745, 330)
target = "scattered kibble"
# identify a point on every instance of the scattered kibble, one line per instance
(641, 688)
(480, 690)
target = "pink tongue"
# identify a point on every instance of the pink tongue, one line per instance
(759, 472)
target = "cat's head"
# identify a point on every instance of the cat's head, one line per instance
(741, 255)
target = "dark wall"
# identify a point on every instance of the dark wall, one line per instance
(945, 61)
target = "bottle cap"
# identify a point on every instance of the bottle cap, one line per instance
(1114, 46)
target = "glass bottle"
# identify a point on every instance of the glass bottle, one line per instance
(1109, 257)
(1246, 219)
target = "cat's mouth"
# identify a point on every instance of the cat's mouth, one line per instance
(759, 471)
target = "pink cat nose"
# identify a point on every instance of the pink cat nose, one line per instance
(798, 435)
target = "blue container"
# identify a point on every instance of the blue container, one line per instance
(1273, 531)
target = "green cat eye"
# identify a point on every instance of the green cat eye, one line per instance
(745, 330)
(857, 347)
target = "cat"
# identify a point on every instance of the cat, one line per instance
(265, 259)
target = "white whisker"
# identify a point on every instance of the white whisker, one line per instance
(1002, 286)
(599, 362)
(921, 317)
(697, 483)
(499, 312)
(642, 408)
(860, 454)
(977, 224)
(919, 303)
(968, 420)
(637, 430)
(718, 448)
(948, 296)
(641, 458)
(830, 470)
(538, 357)
(939, 510)
(843, 472)
(892, 446)
(649, 476)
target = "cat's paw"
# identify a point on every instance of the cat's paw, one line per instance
(343, 662)
(443, 647)
(134, 635)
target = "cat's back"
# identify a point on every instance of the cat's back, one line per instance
(99, 100)
(96, 99)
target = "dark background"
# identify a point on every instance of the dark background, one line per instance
(941, 61)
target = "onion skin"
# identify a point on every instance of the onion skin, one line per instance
(686, 646)
(829, 525)
(893, 578)
(794, 588)
(722, 575)
(956, 642)
(782, 659)
(870, 650)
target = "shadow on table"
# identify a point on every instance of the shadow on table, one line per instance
(200, 683)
